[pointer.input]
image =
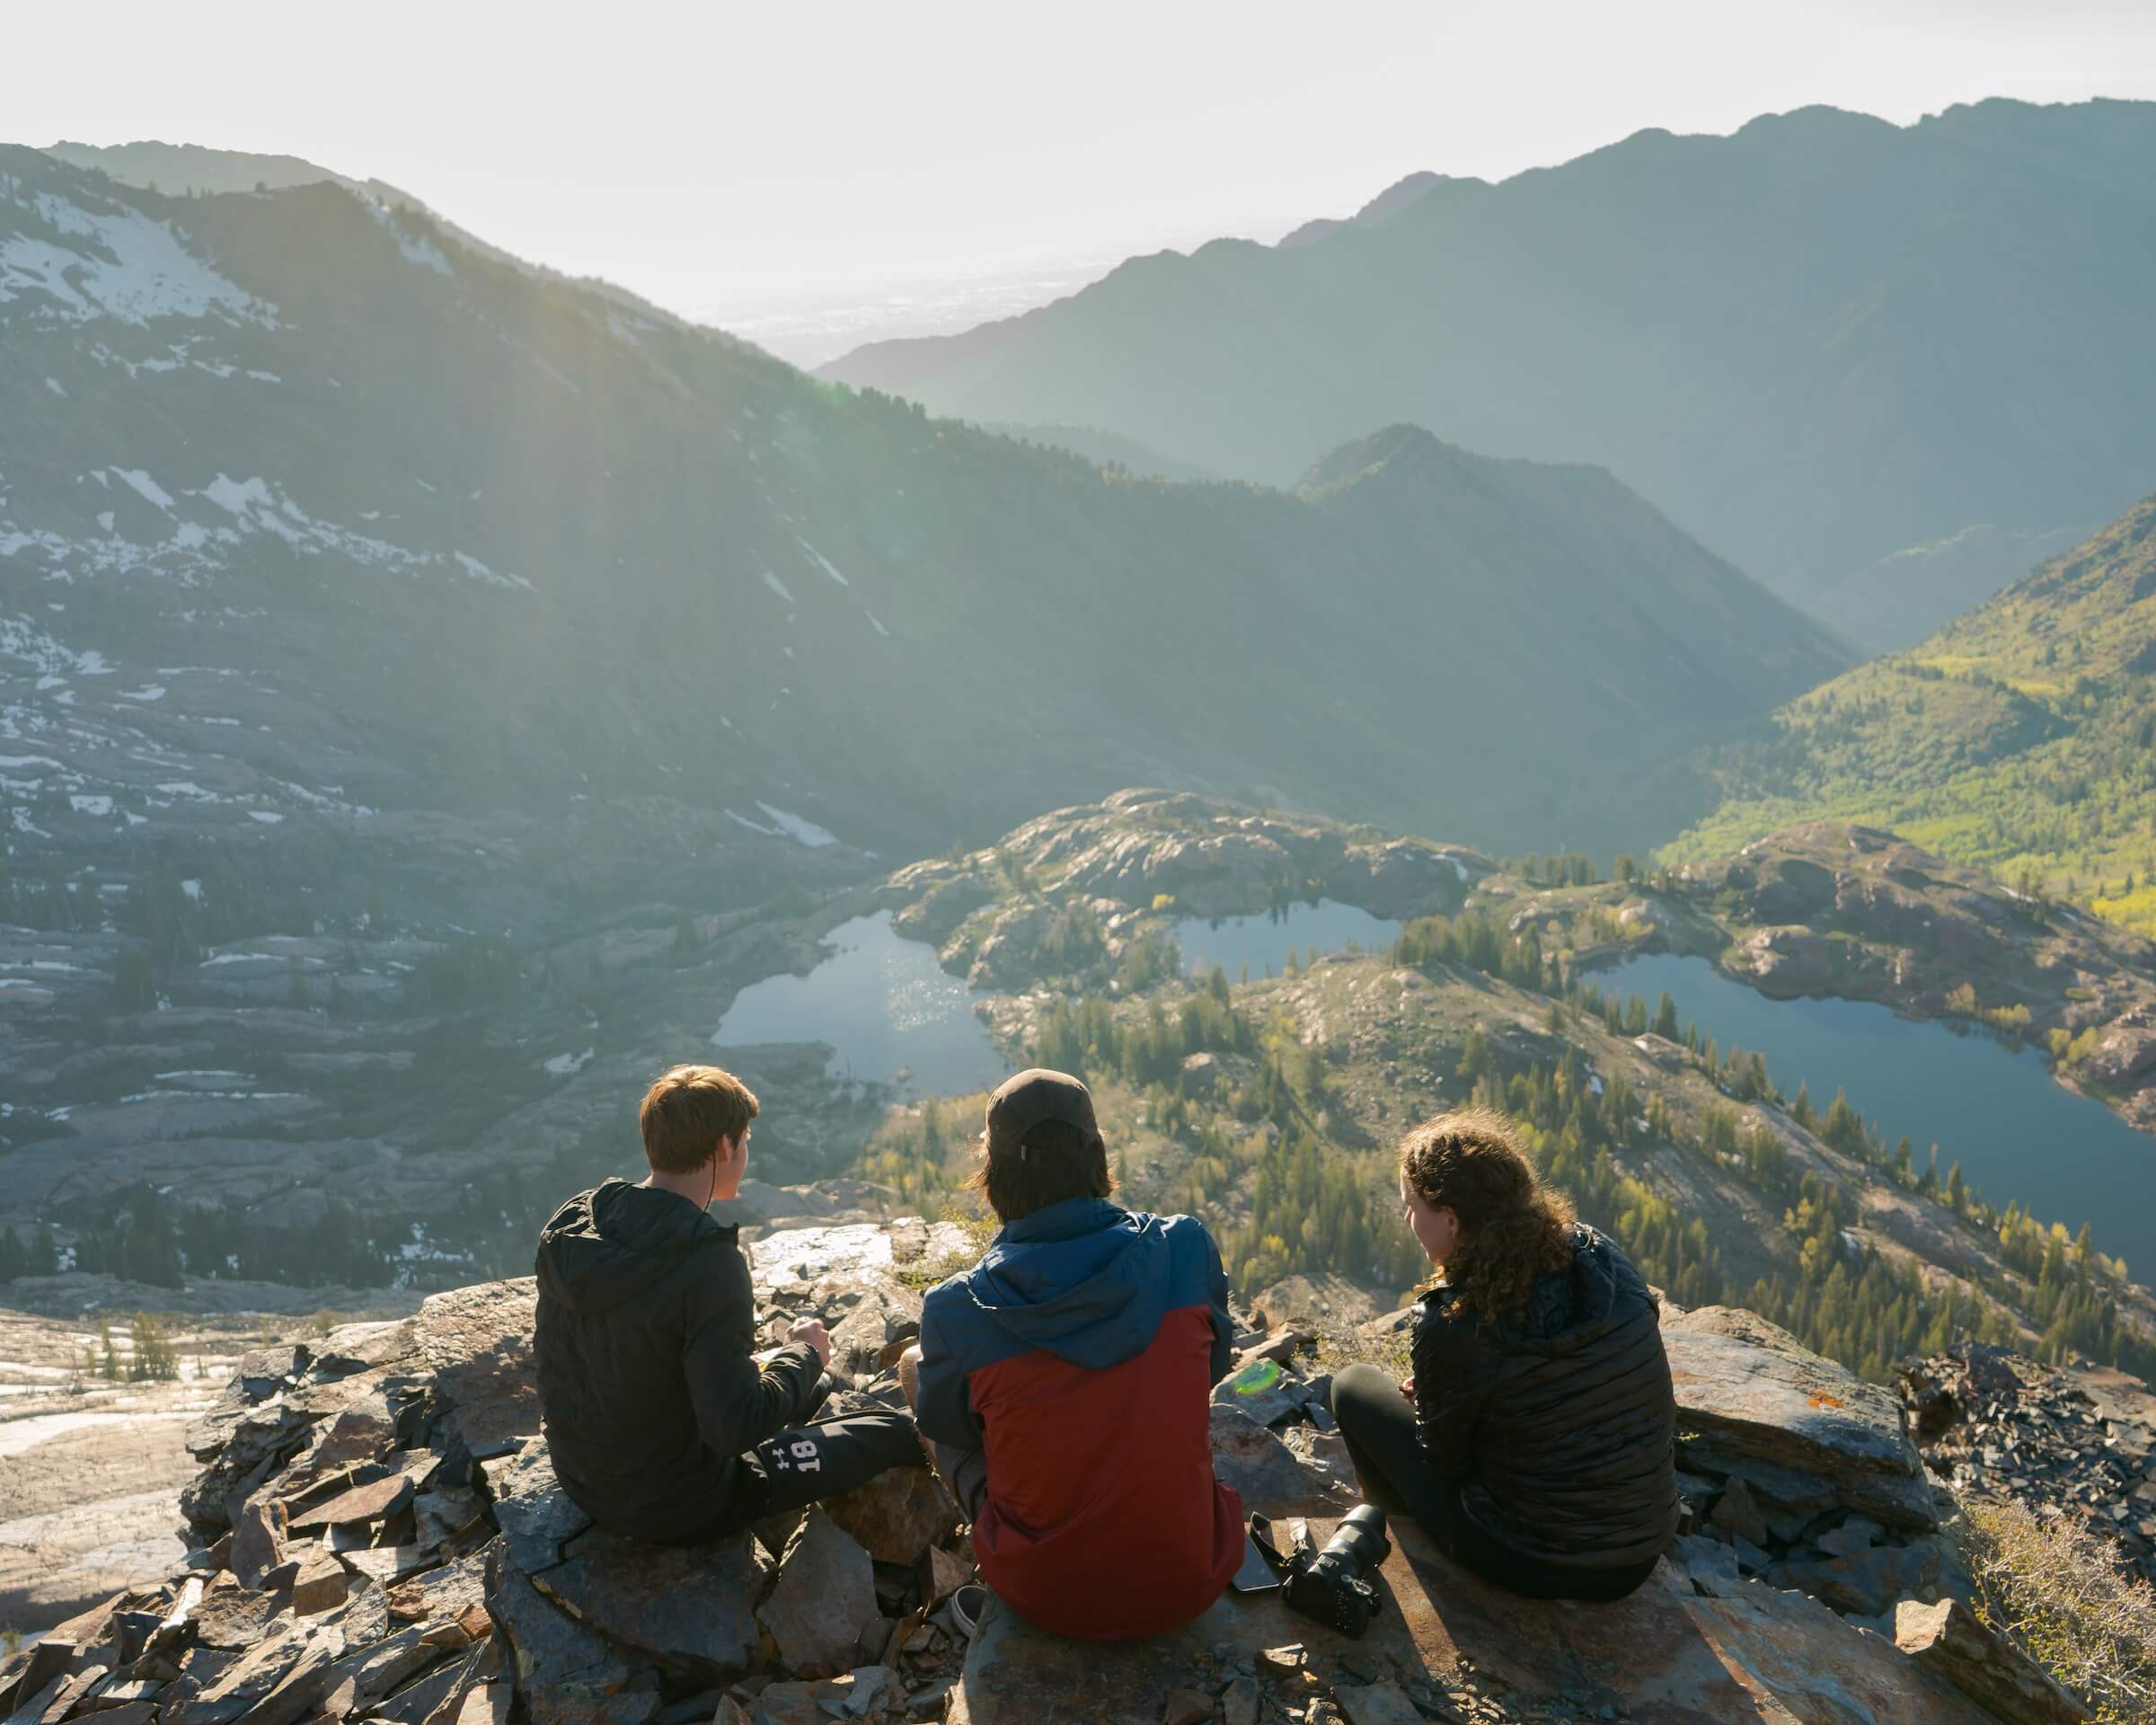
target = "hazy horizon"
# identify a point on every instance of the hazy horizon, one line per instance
(727, 163)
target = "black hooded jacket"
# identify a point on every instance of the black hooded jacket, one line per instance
(1561, 1419)
(646, 1324)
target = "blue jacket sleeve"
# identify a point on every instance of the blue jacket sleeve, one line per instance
(946, 1410)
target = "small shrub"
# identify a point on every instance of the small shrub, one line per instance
(153, 1359)
(2053, 1586)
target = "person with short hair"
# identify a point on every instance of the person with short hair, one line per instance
(661, 1422)
(1065, 1384)
(1535, 1442)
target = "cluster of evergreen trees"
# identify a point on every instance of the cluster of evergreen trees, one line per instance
(150, 1357)
(137, 1235)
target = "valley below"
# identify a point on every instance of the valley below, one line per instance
(387, 797)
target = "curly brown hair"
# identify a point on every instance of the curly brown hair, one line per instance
(1512, 1227)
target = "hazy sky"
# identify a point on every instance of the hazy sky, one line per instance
(714, 154)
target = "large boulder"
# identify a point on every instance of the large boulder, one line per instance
(567, 1673)
(1270, 1477)
(825, 1598)
(1983, 1664)
(1665, 1656)
(689, 1610)
(477, 1346)
(1751, 1390)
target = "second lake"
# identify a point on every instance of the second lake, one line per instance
(1990, 1106)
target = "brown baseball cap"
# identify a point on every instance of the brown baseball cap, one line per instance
(1023, 1102)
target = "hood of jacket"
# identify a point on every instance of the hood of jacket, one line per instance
(1084, 1278)
(603, 1247)
(1571, 1308)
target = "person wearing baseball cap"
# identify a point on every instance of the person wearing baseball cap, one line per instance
(1065, 1384)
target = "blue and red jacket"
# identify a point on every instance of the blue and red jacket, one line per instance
(1080, 1354)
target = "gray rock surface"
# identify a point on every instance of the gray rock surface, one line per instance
(1265, 1473)
(1666, 1655)
(1749, 1387)
(824, 1598)
(691, 1611)
(589, 1627)
(1948, 1638)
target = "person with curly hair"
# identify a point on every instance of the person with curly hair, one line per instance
(1535, 1442)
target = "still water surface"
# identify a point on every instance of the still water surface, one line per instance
(884, 1005)
(1990, 1105)
(1261, 941)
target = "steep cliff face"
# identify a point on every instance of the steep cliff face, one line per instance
(383, 1538)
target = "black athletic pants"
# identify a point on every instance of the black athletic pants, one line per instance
(802, 1463)
(1378, 1424)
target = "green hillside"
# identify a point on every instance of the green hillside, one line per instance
(2017, 739)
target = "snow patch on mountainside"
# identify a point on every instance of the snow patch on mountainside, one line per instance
(806, 831)
(420, 251)
(145, 487)
(828, 567)
(69, 264)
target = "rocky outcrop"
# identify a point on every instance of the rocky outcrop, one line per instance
(1133, 863)
(1832, 907)
(1448, 1646)
(384, 1538)
(1982, 1663)
(2078, 1442)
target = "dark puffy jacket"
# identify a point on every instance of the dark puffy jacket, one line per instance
(1560, 1419)
(646, 1324)
(1080, 1354)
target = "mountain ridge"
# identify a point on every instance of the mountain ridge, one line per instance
(1772, 335)
(851, 532)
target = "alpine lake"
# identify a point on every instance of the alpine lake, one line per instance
(1986, 1102)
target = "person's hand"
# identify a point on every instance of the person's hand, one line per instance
(811, 1331)
(1407, 1388)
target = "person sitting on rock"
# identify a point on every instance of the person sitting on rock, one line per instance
(661, 1422)
(1534, 1443)
(1065, 1385)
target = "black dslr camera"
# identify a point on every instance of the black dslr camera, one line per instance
(1327, 1587)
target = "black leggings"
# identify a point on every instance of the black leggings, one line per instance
(1378, 1423)
(801, 1464)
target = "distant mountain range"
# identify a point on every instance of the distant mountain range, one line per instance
(318, 508)
(1884, 368)
(2017, 739)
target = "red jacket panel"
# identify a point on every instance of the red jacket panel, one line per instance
(1103, 1519)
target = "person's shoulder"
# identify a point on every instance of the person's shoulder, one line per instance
(1442, 1315)
(1184, 1230)
(950, 1298)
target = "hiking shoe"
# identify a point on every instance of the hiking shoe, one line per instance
(967, 1605)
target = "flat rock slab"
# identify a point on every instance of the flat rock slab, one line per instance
(1750, 1388)
(477, 1344)
(1270, 1477)
(376, 1502)
(567, 1673)
(690, 1610)
(1664, 1656)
